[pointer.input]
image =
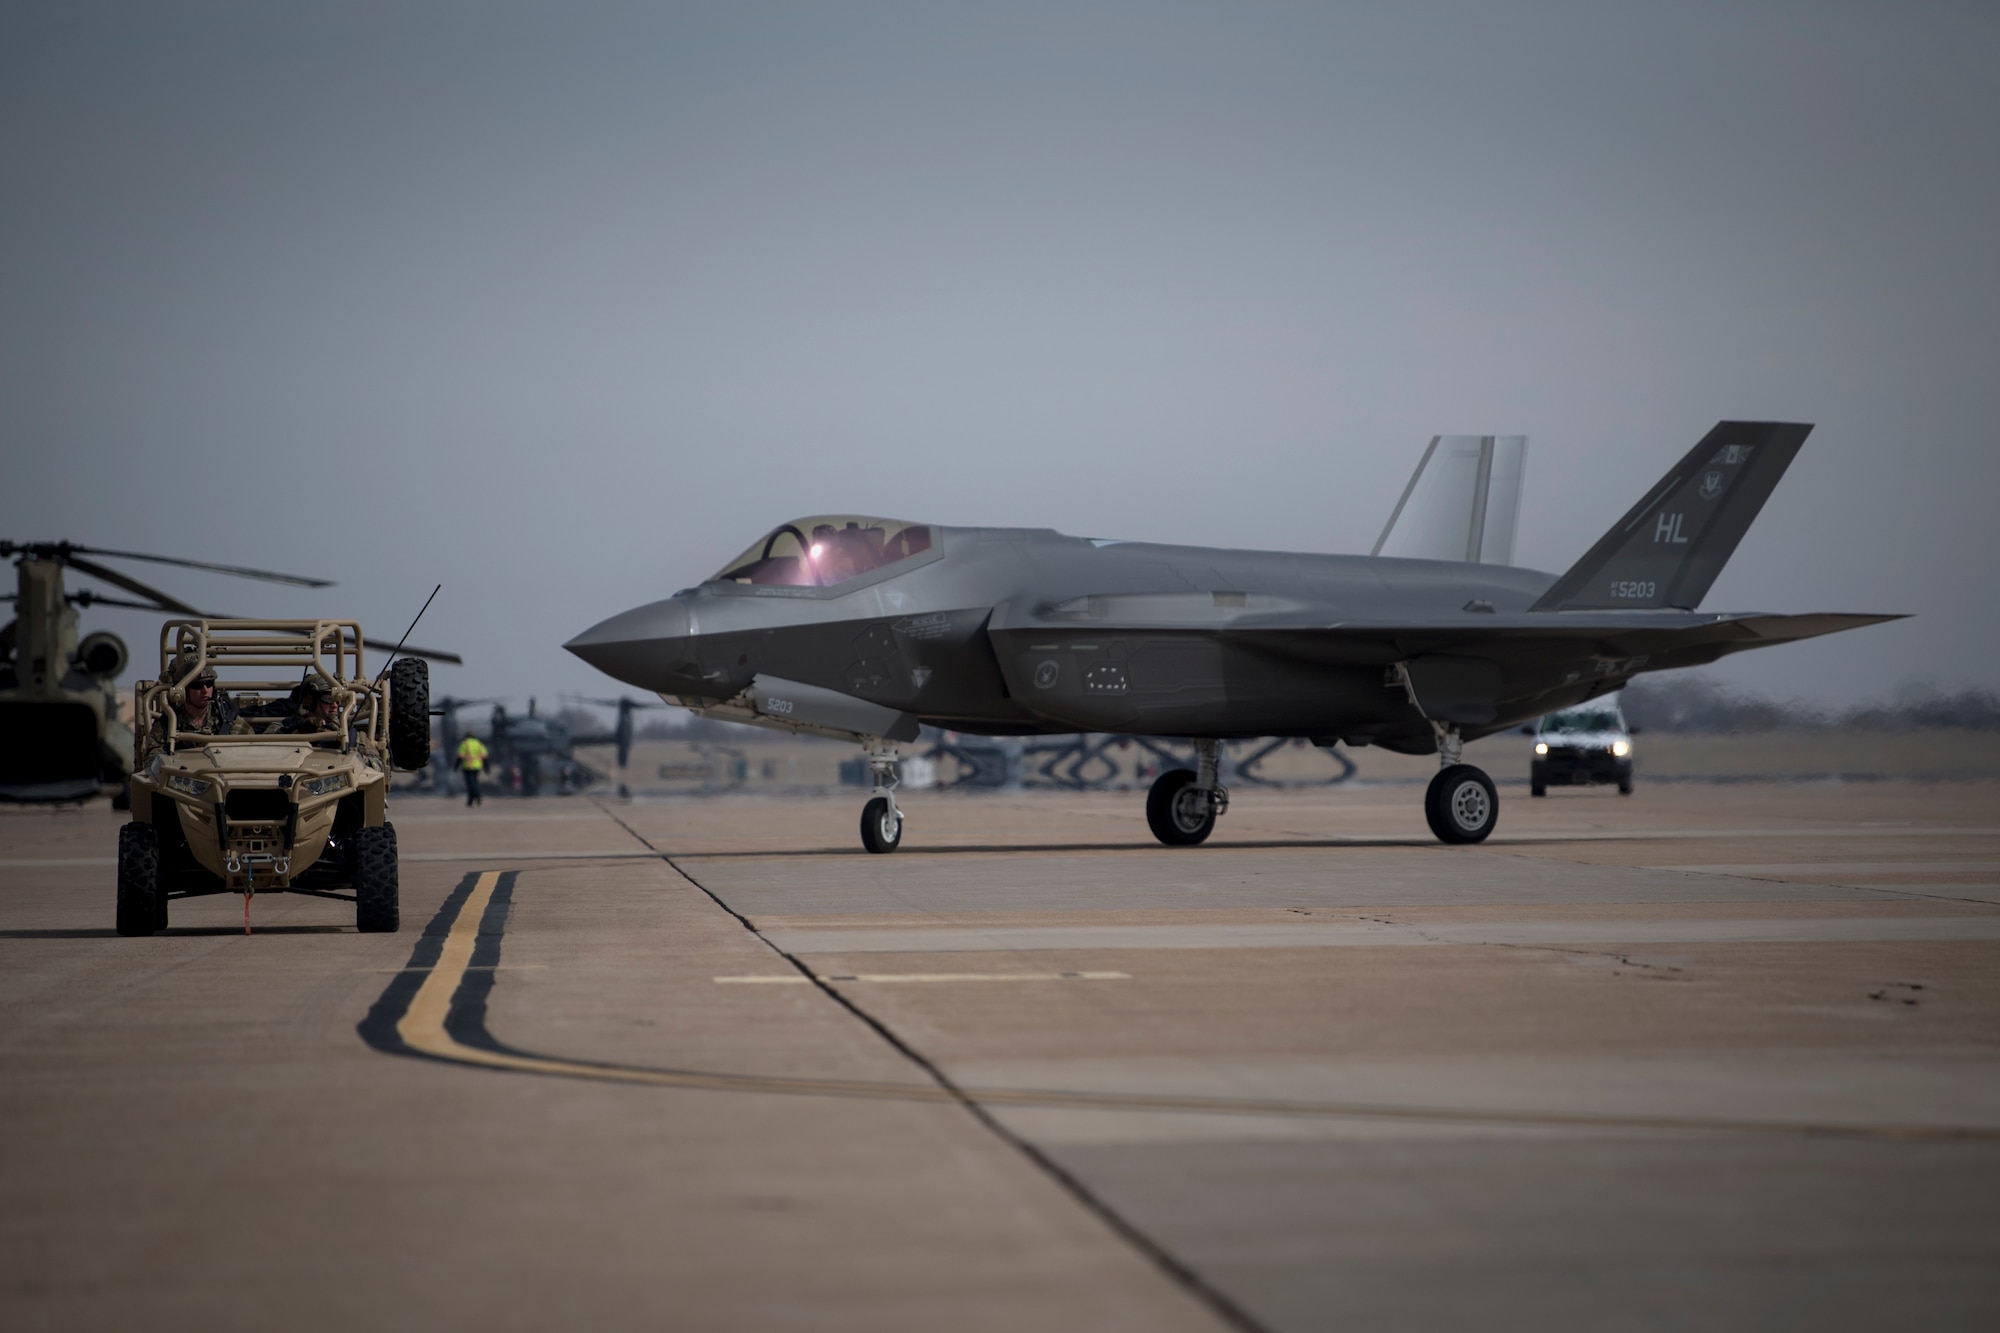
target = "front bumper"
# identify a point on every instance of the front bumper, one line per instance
(1577, 768)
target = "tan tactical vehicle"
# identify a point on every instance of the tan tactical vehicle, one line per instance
(295, 802)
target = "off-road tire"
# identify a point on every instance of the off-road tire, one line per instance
(1170, 825)
(377, 903)
(142, 907)
(881, 826)
(1538, 781)
(1461, 804)
(410, 714)
(1625, 786)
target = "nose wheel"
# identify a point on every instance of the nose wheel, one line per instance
(881, 820)
(881, 825)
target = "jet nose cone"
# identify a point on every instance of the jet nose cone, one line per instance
(642, 647)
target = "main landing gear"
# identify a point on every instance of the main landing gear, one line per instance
(1461, 804)
(881, 821)
(1183, 806)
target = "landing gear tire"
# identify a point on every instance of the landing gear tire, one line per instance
(1175, 811)
(1461, 804)
(881, 826)
(377, 896)
(142, 907)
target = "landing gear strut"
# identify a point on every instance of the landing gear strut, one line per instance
(1461, 804)
(1183, 806)
(881, 821)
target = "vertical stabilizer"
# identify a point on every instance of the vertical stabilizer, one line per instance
(1463, 502)
(1669, 547)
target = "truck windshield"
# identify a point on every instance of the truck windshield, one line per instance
(826, 551)
(1577, 724)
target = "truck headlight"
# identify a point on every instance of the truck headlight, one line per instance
(1621, 748)
(1541, 747)
(181, 782)
(321, 786)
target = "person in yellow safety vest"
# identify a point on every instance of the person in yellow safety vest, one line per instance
(471, 759)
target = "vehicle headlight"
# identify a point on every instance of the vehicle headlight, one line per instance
(1621, 748)
(1541, 747)
(321, 786)
(181, 782)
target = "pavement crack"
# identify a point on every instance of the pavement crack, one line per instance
(1169, 1264)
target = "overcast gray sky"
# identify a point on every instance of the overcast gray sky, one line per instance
(563, 305)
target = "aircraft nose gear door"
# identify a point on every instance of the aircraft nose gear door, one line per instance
(881, 820)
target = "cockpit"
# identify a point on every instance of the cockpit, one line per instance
(826, 551)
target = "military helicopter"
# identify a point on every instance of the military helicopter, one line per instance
(621, 737)
(866, 629)
(58, 692)
(530, 753)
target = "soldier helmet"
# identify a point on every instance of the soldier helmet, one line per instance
(177, 674)
(314, 687)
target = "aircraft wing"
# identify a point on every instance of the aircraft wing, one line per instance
(1515, 666)
(1537, 635)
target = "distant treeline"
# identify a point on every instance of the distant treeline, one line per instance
(1695, 703)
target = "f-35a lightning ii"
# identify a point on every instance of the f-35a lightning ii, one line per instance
(862, 628)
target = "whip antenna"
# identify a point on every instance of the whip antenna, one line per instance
(406, 634)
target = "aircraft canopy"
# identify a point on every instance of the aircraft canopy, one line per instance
(827, 550)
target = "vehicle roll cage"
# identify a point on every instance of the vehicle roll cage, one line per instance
(333, 647)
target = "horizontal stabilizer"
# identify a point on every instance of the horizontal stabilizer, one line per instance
(1668, 550)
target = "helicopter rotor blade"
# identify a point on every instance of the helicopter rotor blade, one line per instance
(89, 598)
(240, 571)
(411, 650)
(161, 602)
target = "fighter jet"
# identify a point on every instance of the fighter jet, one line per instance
(864, 628)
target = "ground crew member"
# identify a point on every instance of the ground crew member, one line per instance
(202, 711)
(471, 759)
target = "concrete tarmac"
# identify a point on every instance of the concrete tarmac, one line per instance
(1710, 1057)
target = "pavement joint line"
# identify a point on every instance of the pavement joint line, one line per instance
(1290, 842)
(795, 980)
(487, 855)
(1755, 869)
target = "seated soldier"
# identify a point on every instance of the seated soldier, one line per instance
(318, 709)
(203, 711)
(267, 713)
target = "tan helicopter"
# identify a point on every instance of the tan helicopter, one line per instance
(63, 737)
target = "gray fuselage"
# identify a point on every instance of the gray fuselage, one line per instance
(1010, 630)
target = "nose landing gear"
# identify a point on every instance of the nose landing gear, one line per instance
(881, 820)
